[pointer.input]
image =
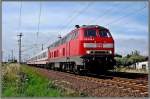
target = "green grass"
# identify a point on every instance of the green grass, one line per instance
(23, 81)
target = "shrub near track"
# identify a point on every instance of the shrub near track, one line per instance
(21, 81)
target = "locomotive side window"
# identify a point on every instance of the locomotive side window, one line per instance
(74, 35)
(68, 37)
(88, 33)
(64, 40)
(104, 33)
(63, 51)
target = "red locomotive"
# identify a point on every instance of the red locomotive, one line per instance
(89, 48)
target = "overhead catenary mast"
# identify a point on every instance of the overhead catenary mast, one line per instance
(19, 41)
(20, 34)
(12, 56)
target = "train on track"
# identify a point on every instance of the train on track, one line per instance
(87, 48)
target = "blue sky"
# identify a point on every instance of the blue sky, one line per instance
(127, 21)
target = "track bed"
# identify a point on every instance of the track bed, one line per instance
(98, 87)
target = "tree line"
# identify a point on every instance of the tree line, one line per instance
(129, 59)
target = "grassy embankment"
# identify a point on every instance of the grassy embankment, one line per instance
(23, 81)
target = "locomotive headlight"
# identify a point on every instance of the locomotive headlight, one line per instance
(89, 45)
(110, 52)
(108, 45)
(88, 52)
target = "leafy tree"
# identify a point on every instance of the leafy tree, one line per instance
(118, 61)
(118, 55)
(129, 59)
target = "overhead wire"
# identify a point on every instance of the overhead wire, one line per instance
(39, 18)
(20, 17)
(60, 26)
(38, 25)
(68, 18)
(72, 17)
(35, 45)
(78, 14)
(104, 13)
(131, 15)
(125, 16)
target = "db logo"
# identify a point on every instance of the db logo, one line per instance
(99, 45)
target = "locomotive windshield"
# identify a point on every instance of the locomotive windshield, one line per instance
(90, 33)
(104, 33)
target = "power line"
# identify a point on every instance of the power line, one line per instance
(122, 17)
(68, 18)
(74, 16)
(105, 13)
(79, 13)
(39, 18)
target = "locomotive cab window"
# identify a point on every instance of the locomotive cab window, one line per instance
(89, 33)
(103, 33)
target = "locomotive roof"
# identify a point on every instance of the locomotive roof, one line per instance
(92, 26)
(83, 26)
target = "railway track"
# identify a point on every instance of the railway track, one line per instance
(102, 85)
(140, 86)
(124, 84)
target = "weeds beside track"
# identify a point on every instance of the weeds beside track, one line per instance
(23, 81)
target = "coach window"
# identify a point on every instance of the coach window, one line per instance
(43, 54)
(89, 33)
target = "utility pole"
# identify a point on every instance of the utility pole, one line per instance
(12, 56)
(19, 41)
(8, 57)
